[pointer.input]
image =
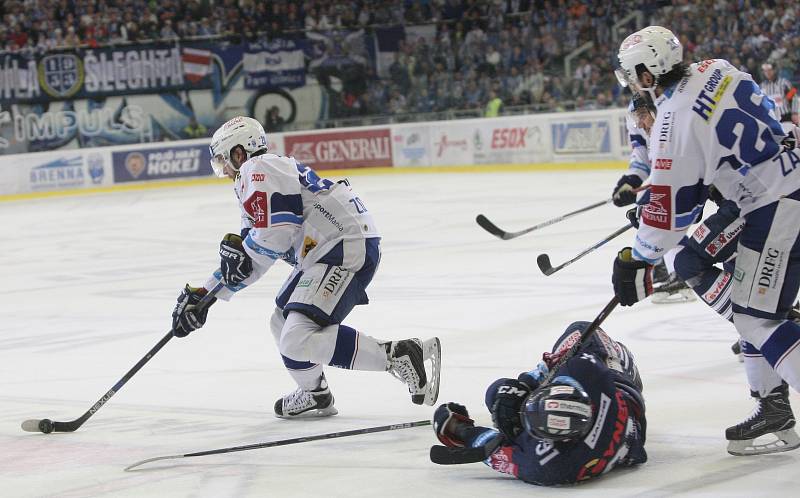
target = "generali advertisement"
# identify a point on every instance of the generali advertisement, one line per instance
(359, 148)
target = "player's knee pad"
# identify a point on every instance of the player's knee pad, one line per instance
(296, 332)
(276, 323)
(302, 339)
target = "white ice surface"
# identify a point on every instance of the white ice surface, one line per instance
(88, 287)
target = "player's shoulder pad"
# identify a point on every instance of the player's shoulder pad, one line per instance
(266, 166)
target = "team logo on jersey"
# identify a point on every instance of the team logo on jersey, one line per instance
(700, 233)
(703, 66)
(718, 287)
(135, 164)
(257, 209)
(711, 94)
(663, 164)
(658, 213)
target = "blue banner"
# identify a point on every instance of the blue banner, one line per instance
(280, 63)
(160, 164)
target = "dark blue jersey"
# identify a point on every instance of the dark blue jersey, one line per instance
(606, 371)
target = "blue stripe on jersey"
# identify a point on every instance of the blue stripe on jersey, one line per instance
(264, 251)
(346, 346)
(638, 140)
(689, 203)
(640, 166)
(297, 365)
(290, 203)
(233, 288)
(748, 348)
(285, 217)
(639, 256)
(782, 342)
(310, 180)
(684, 220)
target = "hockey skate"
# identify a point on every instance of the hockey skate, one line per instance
(773, 415)
(674, 290)
(307, 404)
(407, 363)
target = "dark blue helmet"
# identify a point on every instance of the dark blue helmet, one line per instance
(559, 411)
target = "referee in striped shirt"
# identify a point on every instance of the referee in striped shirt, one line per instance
(782, 93)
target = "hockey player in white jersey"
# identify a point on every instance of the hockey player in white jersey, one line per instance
(639, 121)
(714, 126)
(326, 232)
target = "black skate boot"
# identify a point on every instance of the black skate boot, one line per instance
(306, 404)
(773, 415)
(407, 362)
(660, 273)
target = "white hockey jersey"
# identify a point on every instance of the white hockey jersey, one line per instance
(714, 127)
(639, 162)
(295, 215)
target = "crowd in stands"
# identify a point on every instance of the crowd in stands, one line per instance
(483, 50)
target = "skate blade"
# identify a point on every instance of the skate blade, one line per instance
(681, 296)
(315, 413)
(786, 440)
(432, 350)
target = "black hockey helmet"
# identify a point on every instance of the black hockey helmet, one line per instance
(558, 411)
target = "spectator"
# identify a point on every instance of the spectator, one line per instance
(493, 105)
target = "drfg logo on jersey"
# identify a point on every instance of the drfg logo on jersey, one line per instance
(333, 282)
(769, 269)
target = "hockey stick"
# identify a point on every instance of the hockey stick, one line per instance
(47, 426)
(493, 229)
(444, 455)
(284, 442)
(543, 260)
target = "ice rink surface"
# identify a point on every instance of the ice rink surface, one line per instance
(89, 283)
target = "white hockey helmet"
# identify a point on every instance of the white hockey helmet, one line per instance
(240, 130)
(655, 47)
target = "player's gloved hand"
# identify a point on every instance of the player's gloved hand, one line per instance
(235, 264)
(633, 215)
(632, 279)
(624, 191)
(186, 316)
(508, 396)
(449, 422)
(533, 379)
(792, 140)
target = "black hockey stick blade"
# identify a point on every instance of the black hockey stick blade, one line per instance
(543, 260)
(493, 229)
(444, 455)
(47, 426)
(284, 442)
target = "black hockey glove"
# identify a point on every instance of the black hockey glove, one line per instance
(624, 191)
(633, 215)
(186, 317)
(449, 422)
(508, 398)
(235, 264)
(632, 279)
